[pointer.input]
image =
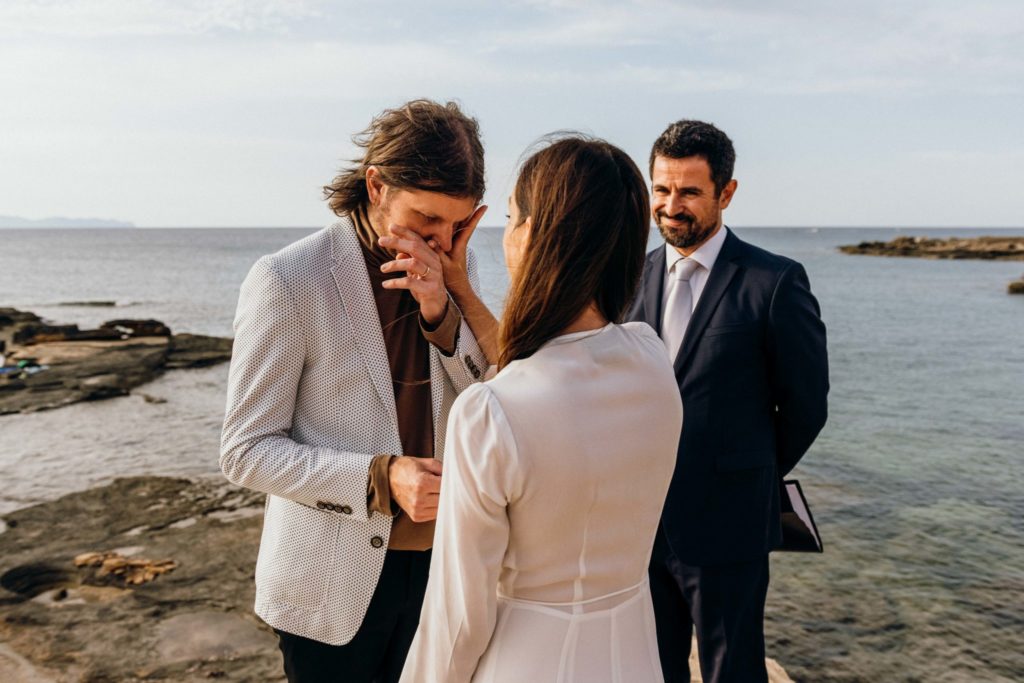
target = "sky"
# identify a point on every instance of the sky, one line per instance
(236, 112)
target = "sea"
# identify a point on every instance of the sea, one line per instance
(916, 482)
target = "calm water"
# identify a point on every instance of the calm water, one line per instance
(917, 482)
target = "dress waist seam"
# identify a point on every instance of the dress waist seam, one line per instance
(553, 606)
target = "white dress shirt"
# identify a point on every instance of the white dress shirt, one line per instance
(706, 256)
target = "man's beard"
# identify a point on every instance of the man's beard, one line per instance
(687, 236)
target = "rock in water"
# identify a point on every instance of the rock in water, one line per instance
(138, 328)
(985, 248)
(197, 351)
(66, 365)
(1016, 287)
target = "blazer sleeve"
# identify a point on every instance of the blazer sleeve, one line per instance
(470, 540)
(468, 364)
(799, 367)
(256, 450)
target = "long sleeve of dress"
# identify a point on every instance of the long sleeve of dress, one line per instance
(470, 541)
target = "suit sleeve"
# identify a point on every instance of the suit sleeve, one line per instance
(799, 367)
(468, 364)
(257, 450)
(460, 607)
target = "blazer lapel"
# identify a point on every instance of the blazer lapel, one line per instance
(721, 275)
(654, 282)
(353, 284)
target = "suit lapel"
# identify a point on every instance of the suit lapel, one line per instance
(721, 275)
(353, 284)
(654, 282)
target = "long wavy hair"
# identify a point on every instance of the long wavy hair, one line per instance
(421, 145)
(590, 220)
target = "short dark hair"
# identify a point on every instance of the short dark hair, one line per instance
(689, 138)
(591, 220)
(421, 145)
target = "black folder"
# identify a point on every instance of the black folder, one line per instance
(799, 533)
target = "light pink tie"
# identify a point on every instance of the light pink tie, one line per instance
(679, 306)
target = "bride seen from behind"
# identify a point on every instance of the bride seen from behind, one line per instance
(556, 469)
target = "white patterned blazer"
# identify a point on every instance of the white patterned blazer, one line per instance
(310, 403)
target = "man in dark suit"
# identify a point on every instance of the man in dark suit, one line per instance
(748, 344)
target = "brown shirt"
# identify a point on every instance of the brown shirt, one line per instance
(407, 340)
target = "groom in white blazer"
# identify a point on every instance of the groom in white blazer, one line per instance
(312, 417)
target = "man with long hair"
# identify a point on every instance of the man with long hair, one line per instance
(340, 385)
(748, 346)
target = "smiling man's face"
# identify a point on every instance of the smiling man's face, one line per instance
(684, 204)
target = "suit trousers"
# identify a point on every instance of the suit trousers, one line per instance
(724, 603)
(377, 652)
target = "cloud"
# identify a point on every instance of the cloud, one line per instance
(254, 99)
(104, 18)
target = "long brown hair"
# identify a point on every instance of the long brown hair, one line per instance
(420, 145)
(590, 221)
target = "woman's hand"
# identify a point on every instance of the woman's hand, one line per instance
(424, 273)
(453, 262)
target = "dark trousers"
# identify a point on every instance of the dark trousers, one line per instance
(377, 652)
(725, 603)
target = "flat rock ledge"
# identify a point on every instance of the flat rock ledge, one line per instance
(62, 623)
(1016, 287)
(986, 248)
(86, 365)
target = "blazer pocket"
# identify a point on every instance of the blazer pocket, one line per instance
(733, 461)
(730, 328)
(298, 553)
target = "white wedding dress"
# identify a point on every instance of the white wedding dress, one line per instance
(554, 477)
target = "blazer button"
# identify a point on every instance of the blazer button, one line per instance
(346, 509)
(322, 505)
(376, 541)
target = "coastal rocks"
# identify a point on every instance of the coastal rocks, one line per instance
(138, 328)
(191, 624)
(40, 333)
(987, 248)
(10, 317)
(115, 567)
(65, 365)
(1016, 287)
(197, 351)
(64, 623)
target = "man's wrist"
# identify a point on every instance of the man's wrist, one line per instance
(432, 322)
(378, 494)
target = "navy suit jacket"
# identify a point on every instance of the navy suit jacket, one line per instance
(753, 373)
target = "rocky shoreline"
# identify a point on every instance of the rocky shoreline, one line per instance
(986, 248)
(145, 579)
(66, 621)
(49, 366)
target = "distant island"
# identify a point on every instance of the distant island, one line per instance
(58, 222)
(984, 248)
(987, 248)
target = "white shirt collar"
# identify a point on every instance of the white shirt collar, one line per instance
(706, 255)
